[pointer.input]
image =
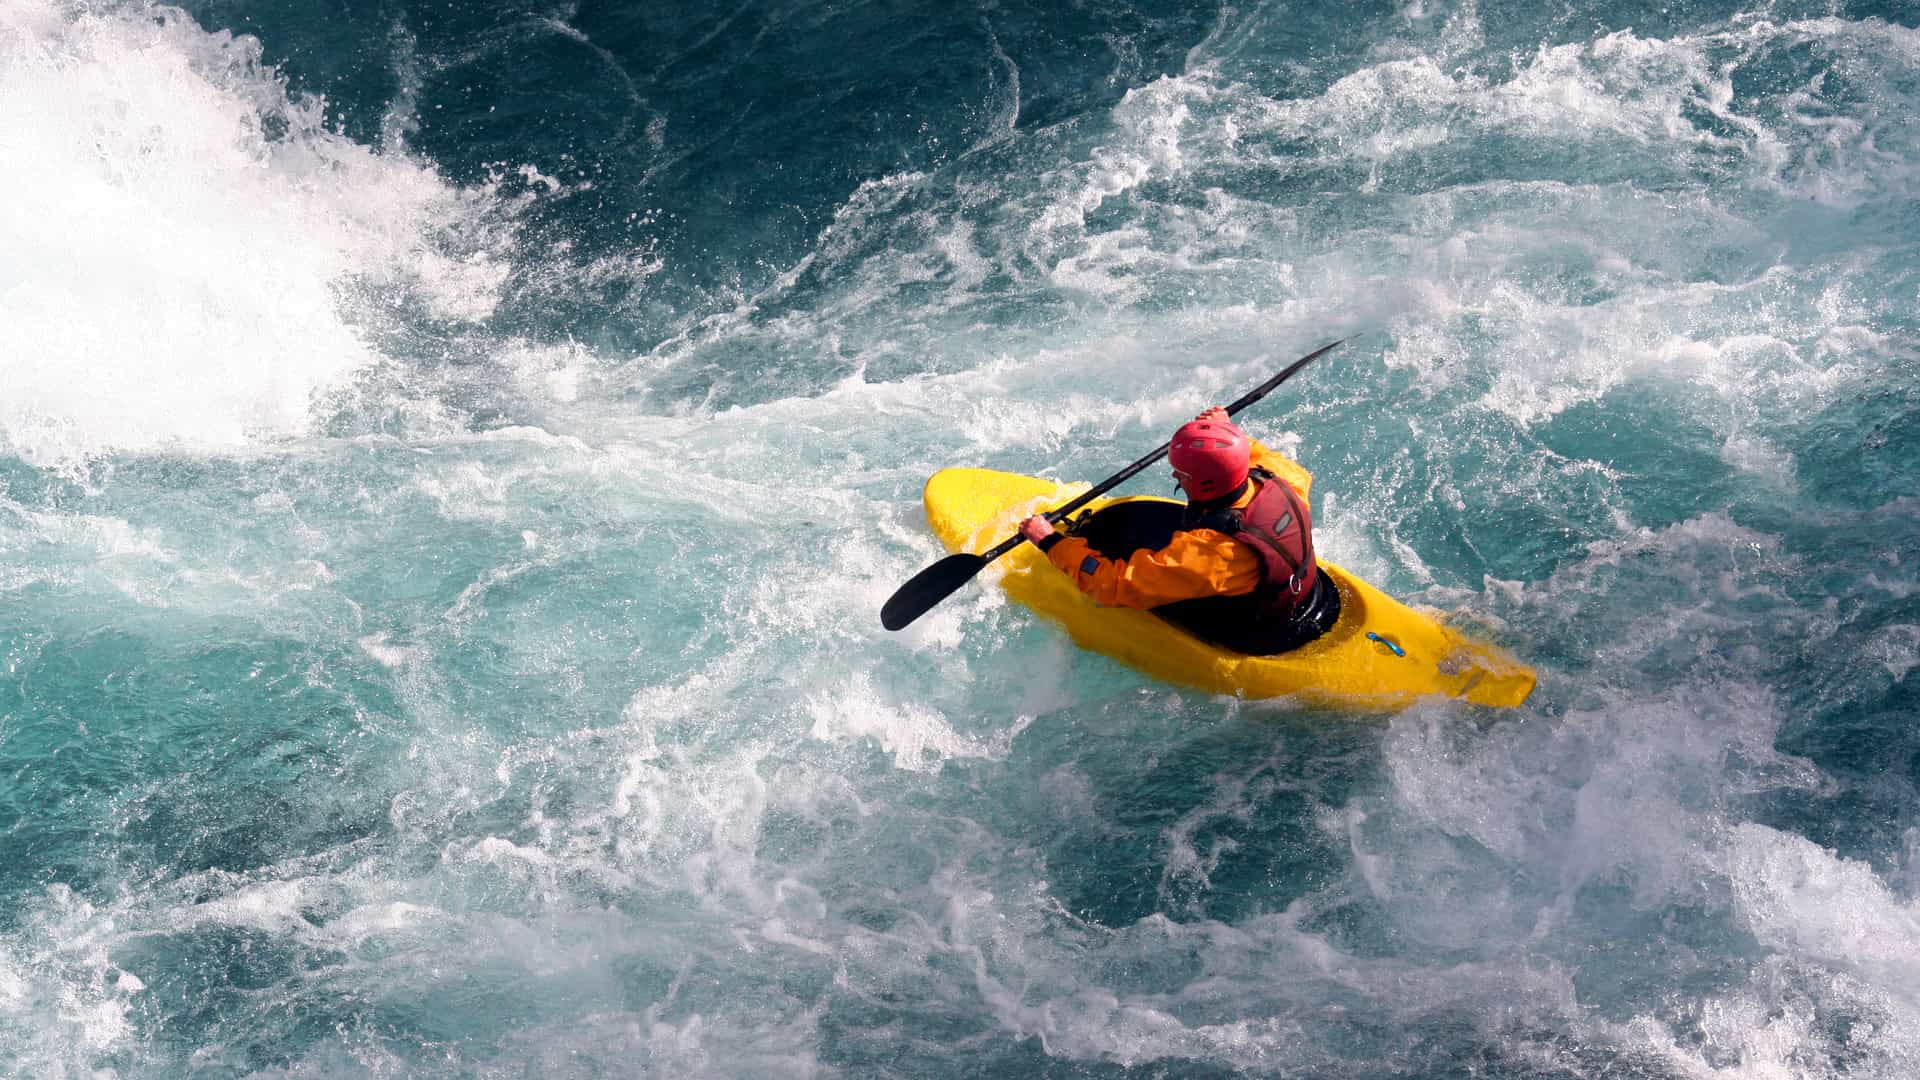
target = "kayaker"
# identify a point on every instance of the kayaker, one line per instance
(1240, 571)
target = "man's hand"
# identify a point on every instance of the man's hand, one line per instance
(1216, 414)
(1036, 528)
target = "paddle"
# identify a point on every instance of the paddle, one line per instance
(937, 582)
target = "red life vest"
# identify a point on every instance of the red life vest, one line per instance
(1292, 604)
(1277, 525)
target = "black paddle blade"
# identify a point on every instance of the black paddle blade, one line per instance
(929, 587)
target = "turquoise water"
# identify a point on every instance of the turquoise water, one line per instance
(452, 458)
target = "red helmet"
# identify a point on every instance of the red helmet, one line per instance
(1209, 458)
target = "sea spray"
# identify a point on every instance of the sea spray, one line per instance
(455, 457)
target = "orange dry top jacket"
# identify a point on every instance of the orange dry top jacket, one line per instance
(1196, 563)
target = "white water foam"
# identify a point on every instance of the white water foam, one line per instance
(183, 241)
(681, 806)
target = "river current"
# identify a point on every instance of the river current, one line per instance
(452, 457)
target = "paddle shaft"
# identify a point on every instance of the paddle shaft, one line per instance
(1130, 471)
(939, 581)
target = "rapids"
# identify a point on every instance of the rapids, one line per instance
(452, 458)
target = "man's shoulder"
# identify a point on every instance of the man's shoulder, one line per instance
(1283, 468)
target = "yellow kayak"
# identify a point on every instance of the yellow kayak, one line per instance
(1380, 654)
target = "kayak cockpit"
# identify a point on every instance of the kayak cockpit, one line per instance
(1125, 526)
